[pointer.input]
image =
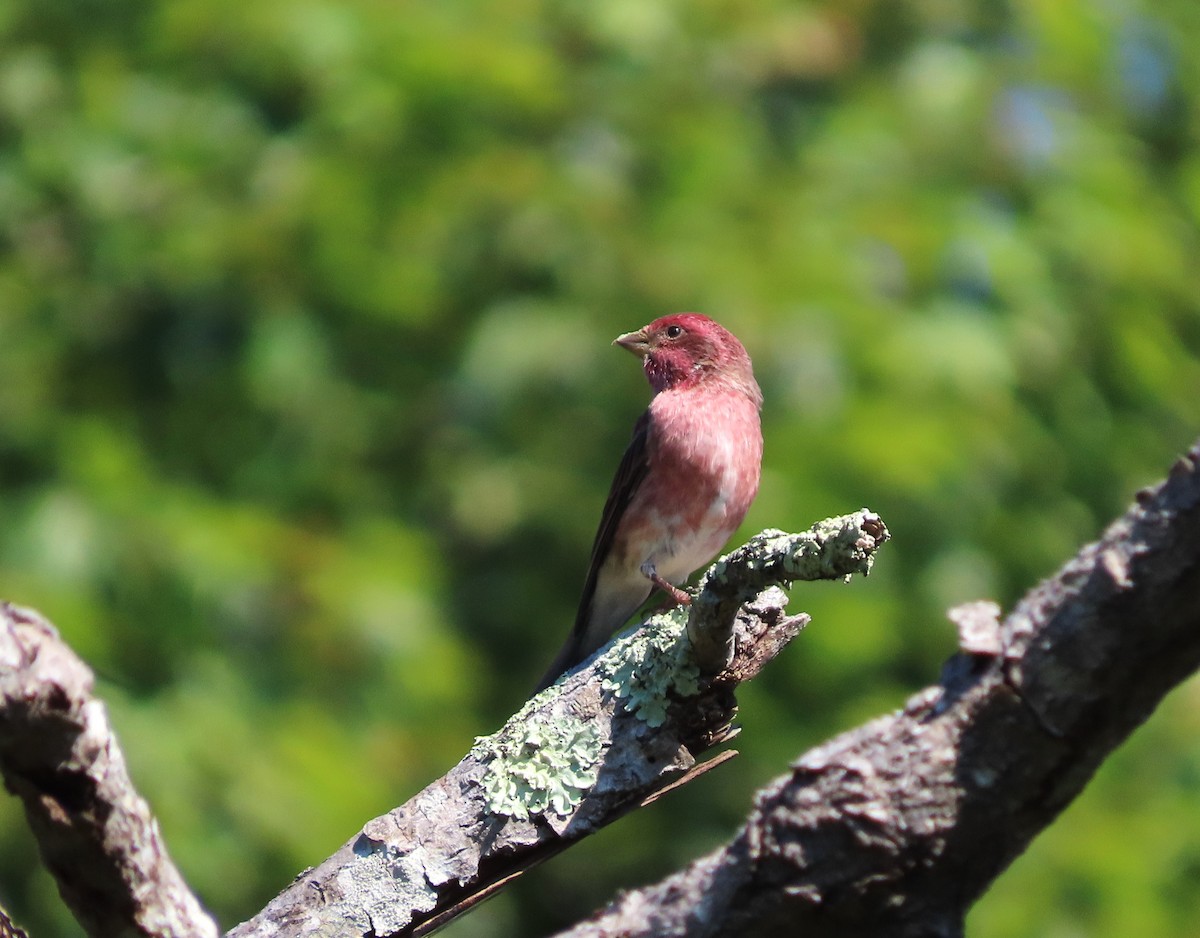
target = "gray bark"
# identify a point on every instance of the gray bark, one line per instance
(58, 755)
(584, 752)
(893, 829)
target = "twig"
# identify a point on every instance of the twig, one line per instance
(834, 549)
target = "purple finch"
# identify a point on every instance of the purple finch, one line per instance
(685, 482)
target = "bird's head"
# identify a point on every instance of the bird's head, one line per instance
(687, 349)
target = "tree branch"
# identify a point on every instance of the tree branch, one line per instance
(896, 828)
(59, 756)
(893, 829)
(8, 929)
(598, 744)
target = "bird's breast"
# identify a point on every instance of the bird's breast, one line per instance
(705, 453)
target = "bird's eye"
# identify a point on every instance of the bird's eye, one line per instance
(674, 332)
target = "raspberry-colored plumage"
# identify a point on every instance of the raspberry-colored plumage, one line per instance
(685, 482)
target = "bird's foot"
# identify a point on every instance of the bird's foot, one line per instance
(676, 596)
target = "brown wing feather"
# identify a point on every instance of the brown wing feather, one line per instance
(630, 473)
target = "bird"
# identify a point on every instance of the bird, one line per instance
(686, 481)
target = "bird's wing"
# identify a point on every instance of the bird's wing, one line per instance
(630, 474)
(634, 466)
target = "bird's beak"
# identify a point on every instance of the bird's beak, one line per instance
(636, 342)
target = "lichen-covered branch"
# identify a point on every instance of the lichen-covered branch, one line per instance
(896, 828)
(833, 549)
(579, 755)
(59, 756)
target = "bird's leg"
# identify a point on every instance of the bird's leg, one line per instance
(679, 597)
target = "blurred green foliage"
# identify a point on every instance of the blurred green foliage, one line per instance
(307, 409)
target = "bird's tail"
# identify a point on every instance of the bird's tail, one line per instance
(571, 654)
(595, 622)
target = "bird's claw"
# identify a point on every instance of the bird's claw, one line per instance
(677, 596)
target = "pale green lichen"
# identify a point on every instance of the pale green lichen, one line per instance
(537, 766)
(834, 548)
(540, 764)
(644, 668)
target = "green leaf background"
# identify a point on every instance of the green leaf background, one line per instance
(308, 411)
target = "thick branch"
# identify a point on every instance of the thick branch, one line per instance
(59, 756)
(896, 828)
(599, 743)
